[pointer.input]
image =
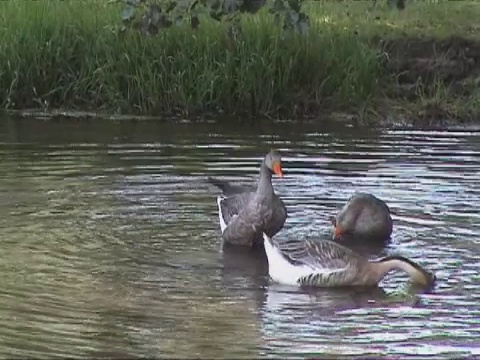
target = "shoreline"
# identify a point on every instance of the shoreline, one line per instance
(429, 61)
(332, 119)
(418, 67)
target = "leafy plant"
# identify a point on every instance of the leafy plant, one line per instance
(151, 16)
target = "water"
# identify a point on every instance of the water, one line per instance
(110, 241)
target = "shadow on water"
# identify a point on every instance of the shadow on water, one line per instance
(320, 302)
(317, 313)
(244, 261)
(111, 246)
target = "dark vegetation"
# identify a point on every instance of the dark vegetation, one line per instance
(414, 61)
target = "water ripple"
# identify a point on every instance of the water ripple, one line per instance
(110, 243)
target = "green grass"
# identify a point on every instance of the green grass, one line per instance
(439, 19)
(67, 54)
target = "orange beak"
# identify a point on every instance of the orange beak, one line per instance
(337, 232)
(277, 169)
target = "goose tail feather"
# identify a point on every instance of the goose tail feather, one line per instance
(216, 182)
(279, 268)
(223, 225)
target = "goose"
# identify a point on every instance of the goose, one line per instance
(330, 264)
(244, 213)
(363, 217)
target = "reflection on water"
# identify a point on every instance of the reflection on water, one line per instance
(110, 241)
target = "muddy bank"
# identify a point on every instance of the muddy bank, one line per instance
(438, 76)
(450, 60)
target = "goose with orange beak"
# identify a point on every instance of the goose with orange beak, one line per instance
(246, 213)
(363, 218)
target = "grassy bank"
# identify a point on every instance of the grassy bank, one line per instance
(67, 54)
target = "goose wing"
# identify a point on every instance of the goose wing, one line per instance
(230, 189)
(279, 216)
(235, 198)
(331, 264)
(244, 218)
(229, 206)
(321, 255)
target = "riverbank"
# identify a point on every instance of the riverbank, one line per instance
(419, 65)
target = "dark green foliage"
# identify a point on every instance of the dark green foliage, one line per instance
(151, 16)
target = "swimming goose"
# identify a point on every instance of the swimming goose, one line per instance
(245, 215)
(364, 217)
(329, 264)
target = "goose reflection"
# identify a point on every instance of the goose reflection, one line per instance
(321, 321)
(310, 301)
(244, 270)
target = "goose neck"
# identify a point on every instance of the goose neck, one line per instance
(383, 267)
(265, 186)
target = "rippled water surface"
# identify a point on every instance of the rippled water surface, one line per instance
(110, 241)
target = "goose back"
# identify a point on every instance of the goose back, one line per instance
(244, 213)
(365, 217)
(230, 189)
(314, 263)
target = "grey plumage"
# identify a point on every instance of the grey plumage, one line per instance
(230, 189)
(329, 264)
(334, 264)
(363, 218)
(248, 211)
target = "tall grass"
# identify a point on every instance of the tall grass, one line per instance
(68, 54)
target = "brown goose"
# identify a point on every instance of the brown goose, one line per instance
(245, 213)
(329, 264)
(364, 217)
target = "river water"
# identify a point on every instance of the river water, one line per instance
(110, 241)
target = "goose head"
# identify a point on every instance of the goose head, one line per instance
(365, 217)
(273, 162)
